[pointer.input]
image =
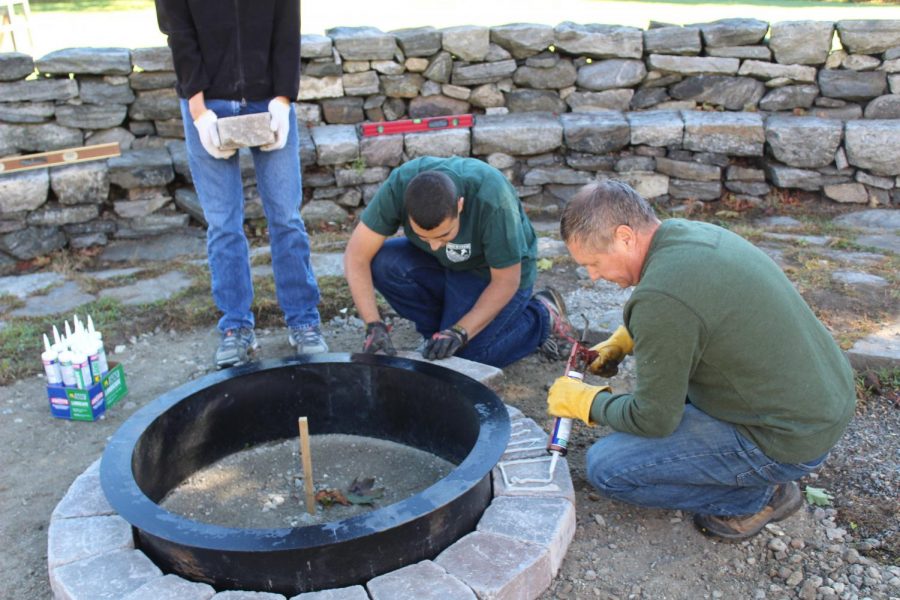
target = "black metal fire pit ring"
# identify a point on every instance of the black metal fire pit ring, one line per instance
(417, 403)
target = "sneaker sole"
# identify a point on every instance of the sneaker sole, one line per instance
(251, 350)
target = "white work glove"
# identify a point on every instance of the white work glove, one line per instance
(280, 123)
(208, 131)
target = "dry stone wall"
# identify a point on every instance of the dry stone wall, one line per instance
(731, 108)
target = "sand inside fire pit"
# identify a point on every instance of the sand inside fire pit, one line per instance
(262, 487)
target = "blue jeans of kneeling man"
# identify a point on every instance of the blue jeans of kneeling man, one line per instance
(705, 467)
(434, 298)
(221, 194)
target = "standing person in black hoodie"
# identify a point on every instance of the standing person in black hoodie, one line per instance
(238, 58)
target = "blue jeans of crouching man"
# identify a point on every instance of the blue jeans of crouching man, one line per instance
(221, 194)
(705, 467)
(434, 298)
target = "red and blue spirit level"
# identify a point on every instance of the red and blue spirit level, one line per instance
(413, 125)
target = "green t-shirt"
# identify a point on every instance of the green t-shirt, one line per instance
(716, 321)
(494, 231)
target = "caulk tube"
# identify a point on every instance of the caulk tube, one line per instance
(558, 445)
(101, 351)
(65, 368)
(50, 358)
(82, 369)
(91, 348)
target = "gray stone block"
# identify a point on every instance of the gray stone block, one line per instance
(356, 592)
(648, 185)
(739, 134)
(151, 81)
(26, 112)
(32, 242)
(733, 32)
(518, 135)
(753, 52)
(531, 477)
(238, 595)
(141, 168)
(108, 576)
(447, 143)
(437, 105)
(523, 39)
(595, 132)
(105, 90)
(363, 43)
(847, 193)
(382, 150)
(880, 350)
(85, 497)
(695, 190)
(95, 61)
(315, 46)
(688, 170)
(656, 128)
(22, 286)
(869, 36)
(559, 76)
(479, 73)
(871, 145)
(772, 71)
(801, 42)
(418, 41)
(69, 540)
(485, 374)
(599, 41)
(673, 40)
(852, 85)
(803, 141)
(40, 137)
(90, 116)
(36, 90)
(55, 215)
(245, 131)
(608, 100)
(883, 107)
(166, 247)
(323, 214)
(611, 74)
(556, 174)
(498, 567)
(172, 587)
(25, 190)
(317, 88)
(361, 84)
(693, 65)
(158, 58)
(150, 105)
(15, 65)
(423, 581)
(789, 97)
(335, 144)
(547, 522)
(62, 299)
(733, 93)
(468, 42)
(148, 291)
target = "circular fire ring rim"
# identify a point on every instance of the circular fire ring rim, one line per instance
(131, 503)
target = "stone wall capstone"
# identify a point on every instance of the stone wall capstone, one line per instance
(712, 111)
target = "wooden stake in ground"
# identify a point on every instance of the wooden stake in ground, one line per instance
(303, 424)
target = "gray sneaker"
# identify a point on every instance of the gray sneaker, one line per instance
(307, 340)
(236, 347)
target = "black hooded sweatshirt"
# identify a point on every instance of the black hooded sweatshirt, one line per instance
(233, 49)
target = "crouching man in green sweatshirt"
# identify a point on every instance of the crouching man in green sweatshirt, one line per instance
(740, 389)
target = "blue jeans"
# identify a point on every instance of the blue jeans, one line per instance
(705, 466)
(434, 298)
(221, 194)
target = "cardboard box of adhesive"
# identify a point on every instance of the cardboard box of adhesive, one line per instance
(79, 404)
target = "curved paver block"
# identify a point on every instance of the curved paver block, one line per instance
(172, 587)
(70, 540)
(423, 581)
(104, 577)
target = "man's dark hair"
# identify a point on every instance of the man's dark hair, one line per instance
(430, 199)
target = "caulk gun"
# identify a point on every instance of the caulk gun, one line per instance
(579, 358)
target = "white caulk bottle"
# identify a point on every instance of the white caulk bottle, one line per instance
(101, 351)
(50, 358)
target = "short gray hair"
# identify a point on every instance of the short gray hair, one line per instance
(592, 215)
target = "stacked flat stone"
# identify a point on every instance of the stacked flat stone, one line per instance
(728, 109)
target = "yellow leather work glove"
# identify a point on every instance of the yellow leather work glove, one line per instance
(572, 399)
(611, 352)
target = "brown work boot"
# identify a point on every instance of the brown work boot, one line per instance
(784, 502)
(562, 335)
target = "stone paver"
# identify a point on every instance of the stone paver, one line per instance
(497, 567)
(860, 280)
(879, 350)
(328, 263)
(548, 522)
(63, 299)
(883, 241)
(482, 373)
(172, 587)
(422, 581)
(165, 247)
(69, 540)
(526, 440)
(238, 595)
(21, 286)
(531, 477)
(106, 577)
(84, 497)
(149, 290)
(356, 592)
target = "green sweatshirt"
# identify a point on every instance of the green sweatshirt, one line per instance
(715, 320)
